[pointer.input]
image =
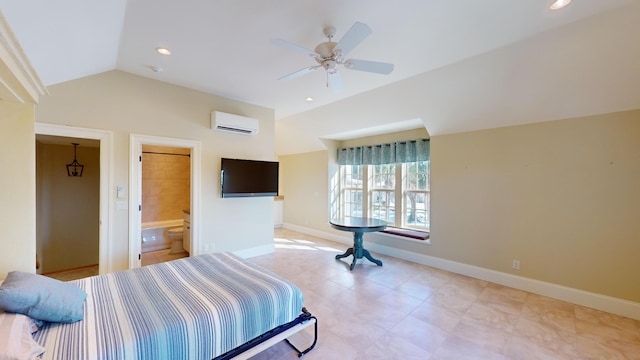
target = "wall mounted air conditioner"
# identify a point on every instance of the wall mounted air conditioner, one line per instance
(233, 123)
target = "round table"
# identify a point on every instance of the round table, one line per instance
(358, 226)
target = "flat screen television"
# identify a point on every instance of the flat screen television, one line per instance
(247, 178)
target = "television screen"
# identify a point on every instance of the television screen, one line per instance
(245, 178)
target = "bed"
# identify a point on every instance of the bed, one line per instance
(203, 307)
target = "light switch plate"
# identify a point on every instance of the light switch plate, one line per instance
(122, 205)
(120, 191)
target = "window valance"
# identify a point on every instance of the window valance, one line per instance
(397, 152)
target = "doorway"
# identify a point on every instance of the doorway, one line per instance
(67, 206)
(162, 148)
(166, 197)
(102, 140)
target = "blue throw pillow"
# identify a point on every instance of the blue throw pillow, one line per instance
(42, 298)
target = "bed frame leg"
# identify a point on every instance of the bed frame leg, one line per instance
(315, 335)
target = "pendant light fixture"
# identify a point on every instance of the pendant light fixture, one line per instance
(74, 169)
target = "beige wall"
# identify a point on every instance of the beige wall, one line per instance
(165, 183)
(17, 188)
(67, 208)
(304, 184)
(124, 104)
(562, 197)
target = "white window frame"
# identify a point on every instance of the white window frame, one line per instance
(427, 194)
(400, 194)
(343, 198)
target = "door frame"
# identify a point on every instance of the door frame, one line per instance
(135, 191)
(106, 181)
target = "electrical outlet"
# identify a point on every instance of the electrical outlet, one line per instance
(516, 264)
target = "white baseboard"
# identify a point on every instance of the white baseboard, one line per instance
(576, 296)
(256, 251)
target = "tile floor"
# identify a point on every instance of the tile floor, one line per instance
(404, 310)
(154, 257)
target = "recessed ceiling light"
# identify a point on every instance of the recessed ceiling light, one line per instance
(559, 4)
(163, 51)
(309, 99)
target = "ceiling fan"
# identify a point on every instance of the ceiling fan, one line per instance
(329, 55)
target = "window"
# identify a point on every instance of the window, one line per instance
(351, 181)
(416, 197)
(406, 181)
(382, 193)
(388, 182)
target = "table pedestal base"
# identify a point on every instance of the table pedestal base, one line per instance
(358, 252)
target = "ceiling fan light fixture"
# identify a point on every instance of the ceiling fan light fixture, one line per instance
(559, 4)
(330, 66)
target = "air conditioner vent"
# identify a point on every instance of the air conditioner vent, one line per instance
(233, 123)
(241, 131)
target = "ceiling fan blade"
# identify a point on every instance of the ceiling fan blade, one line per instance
(369, 66)
(300, 73)
(294, 47)
(334, 82)
(352, 38)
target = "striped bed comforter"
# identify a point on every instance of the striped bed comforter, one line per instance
(193, 308)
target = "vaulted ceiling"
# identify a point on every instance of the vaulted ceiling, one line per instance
(224, 47)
